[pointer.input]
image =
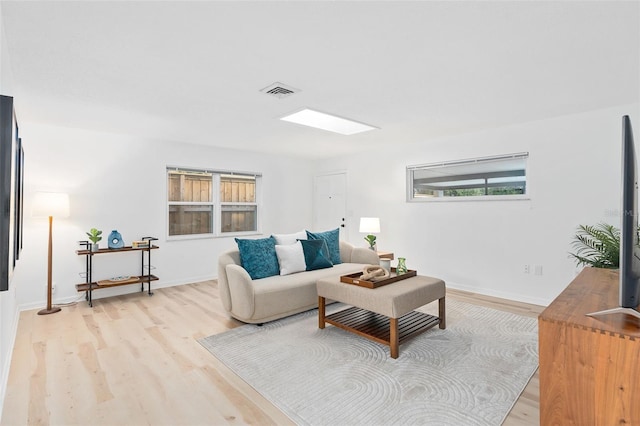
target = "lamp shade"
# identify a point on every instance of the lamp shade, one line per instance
(370, 225)
(47, 204)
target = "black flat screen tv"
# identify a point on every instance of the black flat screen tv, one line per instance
(629, 250)
(11, 191)
(7, 151)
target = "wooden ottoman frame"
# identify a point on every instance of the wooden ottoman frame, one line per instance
(385, 314)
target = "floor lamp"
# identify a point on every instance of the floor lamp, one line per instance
(50, 204)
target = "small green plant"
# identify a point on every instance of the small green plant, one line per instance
(94, 235)
(597, 246)
(371, 239)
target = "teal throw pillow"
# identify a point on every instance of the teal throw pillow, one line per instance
(316, 255)
(258, 257)
(332, 239)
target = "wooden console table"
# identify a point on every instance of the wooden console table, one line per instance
(89, 286)
(589, 366)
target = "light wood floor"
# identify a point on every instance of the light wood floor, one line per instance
(135, 360)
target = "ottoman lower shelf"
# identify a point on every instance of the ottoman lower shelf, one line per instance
(380, 328)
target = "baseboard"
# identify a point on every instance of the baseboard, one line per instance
(501, 294)
(116, 291)
(43, 303)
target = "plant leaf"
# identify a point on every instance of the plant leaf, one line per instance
(597, 246)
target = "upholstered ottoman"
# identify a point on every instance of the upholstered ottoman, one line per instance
(384, 314)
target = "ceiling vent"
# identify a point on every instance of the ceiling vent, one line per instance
(279, 90)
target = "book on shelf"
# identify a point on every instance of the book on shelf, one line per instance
(141, 244)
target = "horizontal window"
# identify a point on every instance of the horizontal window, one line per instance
(498, 177)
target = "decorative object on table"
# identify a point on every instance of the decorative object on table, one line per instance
(126, 279)
(95, 237)
(374, 273)
(141, 244)
(120, 278)
(49, 204)
(386, 264)
(115, 240)
(356, 279)
(597, 246)
(402, 266)
(370, 225)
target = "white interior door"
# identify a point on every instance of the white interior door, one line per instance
(330, 202)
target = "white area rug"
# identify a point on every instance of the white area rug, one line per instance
(469, 374)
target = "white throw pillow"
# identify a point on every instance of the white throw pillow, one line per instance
(291, 258)
(286, 239)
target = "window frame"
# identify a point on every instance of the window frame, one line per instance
(256, 203)
(411, 169)
(216, 203)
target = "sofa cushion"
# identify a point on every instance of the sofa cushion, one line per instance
(285, 239)
(291, 258)
(259, 257)
(332, 239)
(279, 296)
(316, 254)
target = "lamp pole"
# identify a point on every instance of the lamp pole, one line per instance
(49, 309)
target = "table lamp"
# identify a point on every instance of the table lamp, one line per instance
(50, 204)
(370, 225)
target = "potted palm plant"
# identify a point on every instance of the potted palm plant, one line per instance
(597, 246)
(95, 237)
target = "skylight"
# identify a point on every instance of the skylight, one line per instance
(323, 121)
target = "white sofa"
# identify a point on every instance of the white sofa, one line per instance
(267, 299)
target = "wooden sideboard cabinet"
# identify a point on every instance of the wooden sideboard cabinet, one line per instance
(589, 366)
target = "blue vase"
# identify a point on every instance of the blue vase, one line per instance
(115, 240)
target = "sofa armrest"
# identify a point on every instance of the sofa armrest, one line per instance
(241, 291)
(364, 255)
(226, 258)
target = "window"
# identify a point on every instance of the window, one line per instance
(239, 211)
(196, 209)
(499, 177)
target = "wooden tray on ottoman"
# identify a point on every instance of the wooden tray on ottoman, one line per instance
(355, 279)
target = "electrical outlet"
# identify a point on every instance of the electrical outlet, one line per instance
(538, 270)
(527, 269)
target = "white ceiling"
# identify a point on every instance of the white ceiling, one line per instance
(192, 71)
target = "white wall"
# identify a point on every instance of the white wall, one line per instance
(119, 182)
(482, 246)
(8, 302)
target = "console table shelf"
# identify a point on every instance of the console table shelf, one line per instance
(117, 250)
(89, 286)
(96, 286)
